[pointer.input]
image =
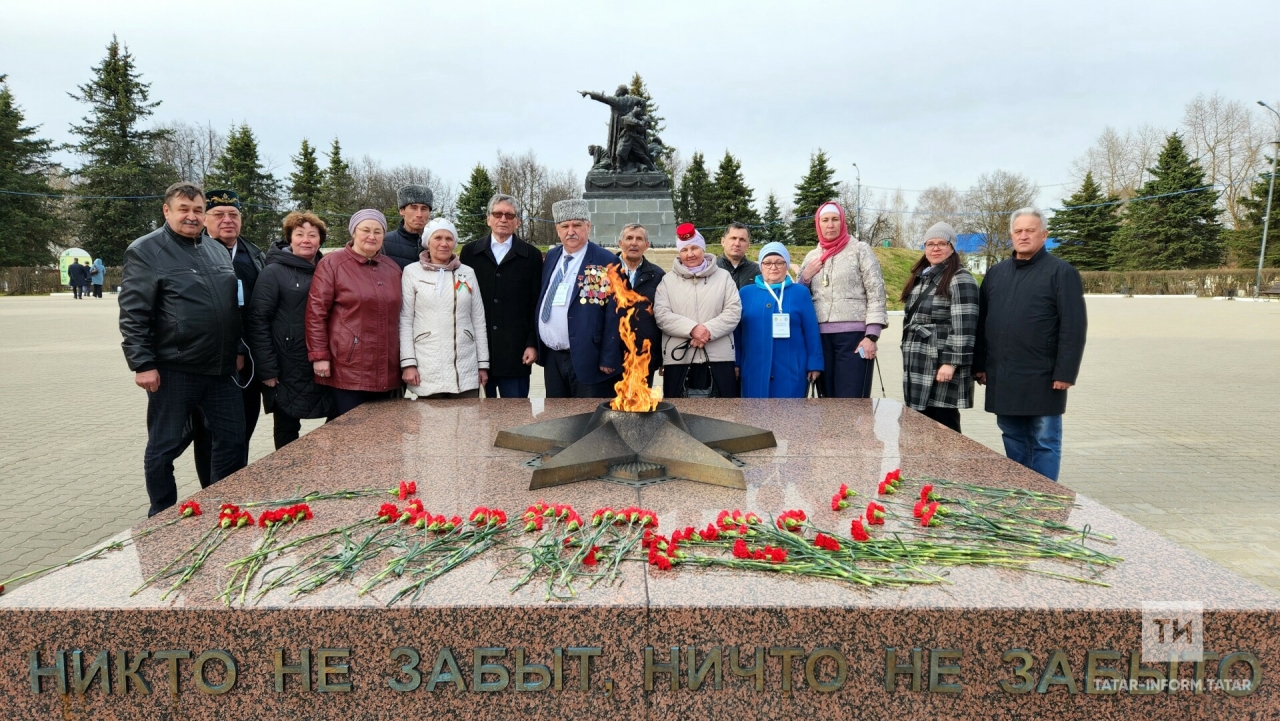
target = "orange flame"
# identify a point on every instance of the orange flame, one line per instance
(633, 391)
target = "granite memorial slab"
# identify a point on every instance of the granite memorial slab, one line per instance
(1042, 640)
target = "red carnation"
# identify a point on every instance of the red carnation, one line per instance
(886, 488)
(838, 503)
(858, 532)
(875, 514)
(740, 549)
(926, 492)
(388, 512)
(590, 558)
(190, 508)
(826, 542)
(926, 518)
(777, 555)
(710, 533)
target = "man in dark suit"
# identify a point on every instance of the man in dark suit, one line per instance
(571, 309)
(643, 277)
(223, 221)
(509, 273)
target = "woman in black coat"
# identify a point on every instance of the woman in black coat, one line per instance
(276, 330)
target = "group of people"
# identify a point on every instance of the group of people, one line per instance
(86, 278)
(215, 329)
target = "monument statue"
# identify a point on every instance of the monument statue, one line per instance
(630, 150)
(624, 184)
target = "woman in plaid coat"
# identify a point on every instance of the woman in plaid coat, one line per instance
(941, 301)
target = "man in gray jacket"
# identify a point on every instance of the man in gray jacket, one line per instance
(181, 329)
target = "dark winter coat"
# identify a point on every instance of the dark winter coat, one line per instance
(1031, 332)
(277, 335)
(248, 262)
(510, 295)
(353, 320)
(402, 246)
(76, 275)
(178, 305)
(744, 275)
(940, 331)
(645, 325)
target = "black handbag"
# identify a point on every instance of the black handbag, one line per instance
(699, 381)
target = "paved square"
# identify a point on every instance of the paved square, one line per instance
(1174, 423)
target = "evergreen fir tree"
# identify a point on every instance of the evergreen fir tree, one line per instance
(473, 204)
(695, 198)
(733, 198)
(240, 169)
(1178, 230)
(337, 195)
(817, 187)
(1245, 241)
(1085, 226)
(27, 223)
(774, 229)
(119, 157)
(305, 180)
(656, 123)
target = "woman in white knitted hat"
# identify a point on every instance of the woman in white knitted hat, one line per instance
(444, 351)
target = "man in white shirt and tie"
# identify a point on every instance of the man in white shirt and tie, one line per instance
(509, 273)
(571, 309)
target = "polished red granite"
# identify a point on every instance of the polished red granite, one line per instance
(823, 644)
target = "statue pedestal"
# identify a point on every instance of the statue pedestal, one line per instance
(617, 199)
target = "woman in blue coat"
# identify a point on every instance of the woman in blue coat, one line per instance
(779, 349)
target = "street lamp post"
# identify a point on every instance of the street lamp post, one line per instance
(1271, 190)
(857, 213)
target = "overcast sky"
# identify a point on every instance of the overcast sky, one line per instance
(916, 93)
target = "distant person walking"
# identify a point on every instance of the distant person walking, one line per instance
(353, 316)
(939, 328)
(181, 329)
(76, 275)
(844, 277)
(277, 334)
(97, 274)
(1031, 333)
(444, 352)
(509, 272)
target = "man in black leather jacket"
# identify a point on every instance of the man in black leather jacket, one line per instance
(181, 330)
(405, 243)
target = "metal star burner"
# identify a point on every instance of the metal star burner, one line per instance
(636, 447)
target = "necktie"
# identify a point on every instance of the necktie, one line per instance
(551, 289)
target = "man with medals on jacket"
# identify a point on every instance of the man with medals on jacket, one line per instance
(571, 309)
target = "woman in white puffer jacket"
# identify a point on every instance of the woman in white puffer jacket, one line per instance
(444, 350)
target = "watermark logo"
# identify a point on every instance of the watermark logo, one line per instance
(1172, 631)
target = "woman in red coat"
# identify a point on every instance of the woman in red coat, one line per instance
(353, 311)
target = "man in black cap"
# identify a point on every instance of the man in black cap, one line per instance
(405, 243)
(223, 221)
(181, 334)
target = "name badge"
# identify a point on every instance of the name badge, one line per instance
(239, 292)
(781, 325)
(562, 294)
